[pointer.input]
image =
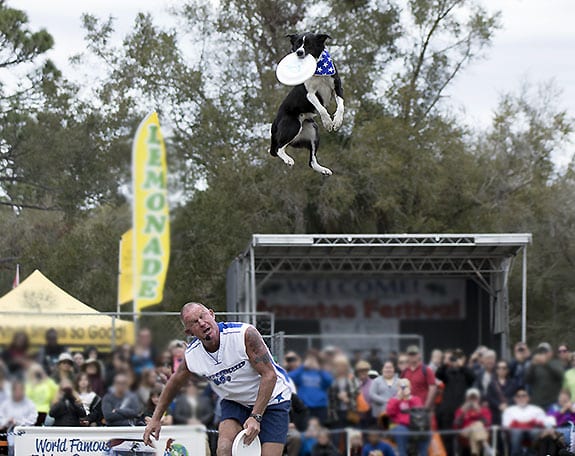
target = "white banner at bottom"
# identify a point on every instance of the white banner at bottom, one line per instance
(109, 441)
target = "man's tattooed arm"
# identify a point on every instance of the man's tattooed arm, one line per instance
(261, 361)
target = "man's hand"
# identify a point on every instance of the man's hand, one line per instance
(252, 428)
(152, 430)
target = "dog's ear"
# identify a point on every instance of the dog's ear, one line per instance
(292, 37)
(322, 37)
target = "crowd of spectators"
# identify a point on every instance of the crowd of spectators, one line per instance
(393, 401)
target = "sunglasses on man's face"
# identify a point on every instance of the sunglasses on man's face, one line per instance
(563, 350)
(522, 395)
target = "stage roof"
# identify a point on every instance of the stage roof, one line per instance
(444, 254)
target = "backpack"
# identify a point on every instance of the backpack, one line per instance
(419, 419)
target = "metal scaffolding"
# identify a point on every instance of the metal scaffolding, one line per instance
(485, 258)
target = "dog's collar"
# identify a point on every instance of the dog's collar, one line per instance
(324, 65)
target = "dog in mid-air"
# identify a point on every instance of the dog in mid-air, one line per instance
(294, 124)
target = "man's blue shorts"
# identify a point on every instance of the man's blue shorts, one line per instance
(275, 422)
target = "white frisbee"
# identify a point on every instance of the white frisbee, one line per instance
(293, 70)
(240, 449)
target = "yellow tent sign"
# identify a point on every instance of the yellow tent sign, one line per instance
(37, 305)
(151, 224)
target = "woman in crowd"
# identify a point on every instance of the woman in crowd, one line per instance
(79, 360)
(16, 355)
(41, 390)
(153, 402)
(165, 365)
(177, 350)
(91, 401)
(383, 389)
(500, 391)
(93, 370)
(564, 413)
(64, 368)
(343, 395)
(148, 379)
(68, 409)
(398, 410)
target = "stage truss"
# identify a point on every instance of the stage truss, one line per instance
(486, 258)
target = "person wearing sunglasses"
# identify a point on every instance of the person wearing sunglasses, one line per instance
(525, 421)
(564, 356)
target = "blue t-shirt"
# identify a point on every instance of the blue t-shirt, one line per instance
(385, 449)
(312, 386)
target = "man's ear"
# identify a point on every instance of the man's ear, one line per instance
(292, 37)
(322, 37)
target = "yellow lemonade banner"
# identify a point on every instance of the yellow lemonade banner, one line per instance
(151, 214)
(126, 276)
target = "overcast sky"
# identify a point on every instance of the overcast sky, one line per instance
(536, 44)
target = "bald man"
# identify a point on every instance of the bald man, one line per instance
(233, 357)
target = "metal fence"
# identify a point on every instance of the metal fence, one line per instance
(363, 343)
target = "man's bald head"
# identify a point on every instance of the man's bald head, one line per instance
(199, 321)
(189, 306)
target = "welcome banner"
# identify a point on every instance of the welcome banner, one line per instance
(151, 224)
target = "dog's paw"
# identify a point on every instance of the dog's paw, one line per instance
(288, 160)
(337, 120)
(322, 170)
(327, 123)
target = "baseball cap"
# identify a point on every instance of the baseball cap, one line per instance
(544, 346)
(473, 392)
(65, 357)
(412, 350)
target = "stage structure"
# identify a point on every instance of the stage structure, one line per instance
(450, 288)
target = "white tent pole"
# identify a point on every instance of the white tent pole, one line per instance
(524, 297)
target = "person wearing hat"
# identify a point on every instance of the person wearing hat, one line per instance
(544, 377)
(64, 368)
(421, 377)
(525, 421)
(473, 419)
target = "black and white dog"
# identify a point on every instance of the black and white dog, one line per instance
(294, 124)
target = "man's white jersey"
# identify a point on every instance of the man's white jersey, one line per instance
(229, 371)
